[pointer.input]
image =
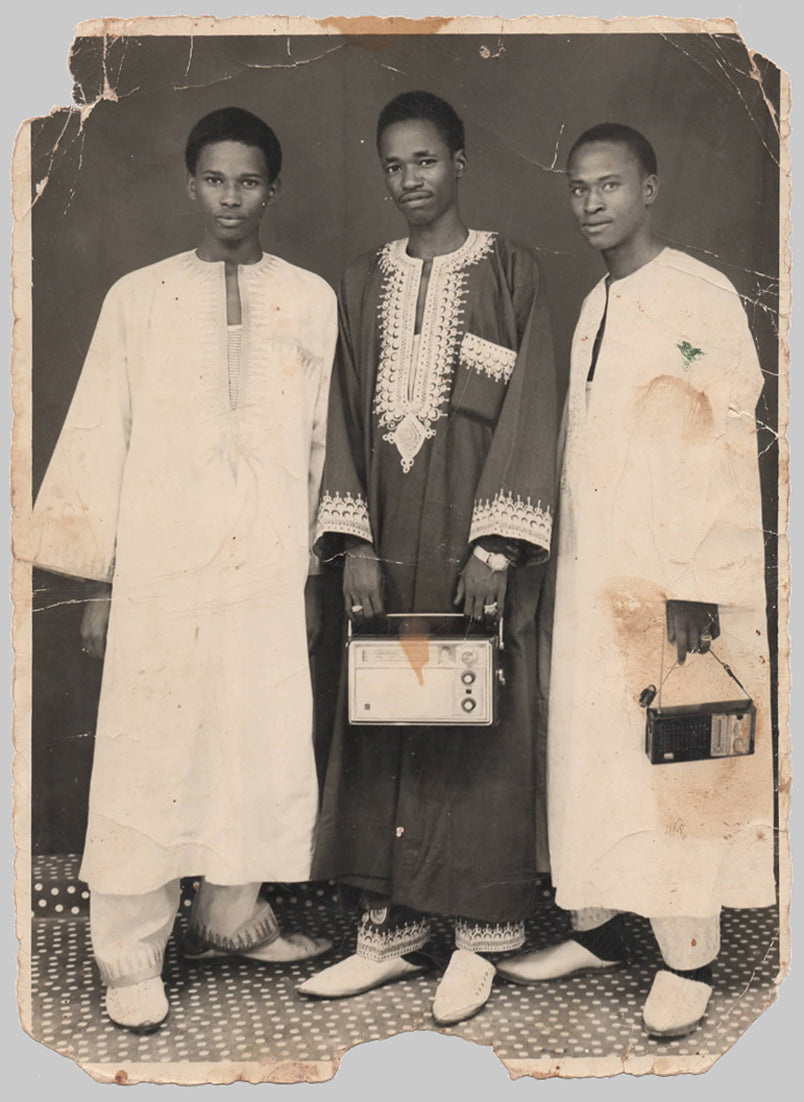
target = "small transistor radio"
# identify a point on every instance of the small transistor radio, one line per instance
(698, 732)
(423, 672)
(683, 733)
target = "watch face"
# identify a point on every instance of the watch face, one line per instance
(497, 562)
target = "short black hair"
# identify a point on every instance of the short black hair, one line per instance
(637, 144)
(424, 105)
(234, 124)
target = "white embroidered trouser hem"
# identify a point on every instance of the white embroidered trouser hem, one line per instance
(685, 942)
(485, 937)
(130, 932)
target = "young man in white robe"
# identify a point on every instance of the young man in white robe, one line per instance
(660, 555)
(184, 481)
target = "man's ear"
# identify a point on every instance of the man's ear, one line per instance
(273, 190)
(190, 185)
(650, 189)
(460, 160)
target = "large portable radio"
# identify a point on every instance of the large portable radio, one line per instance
(424, 669)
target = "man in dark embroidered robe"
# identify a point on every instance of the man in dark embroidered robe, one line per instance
(438, 487)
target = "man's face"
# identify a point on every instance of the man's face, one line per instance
(231, 189)
(610, 194)
(421, 174)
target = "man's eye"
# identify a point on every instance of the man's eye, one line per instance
(610, 185)
(576, 190)
(391, 169)
(211, 180)
(250, 183)
(427, 162)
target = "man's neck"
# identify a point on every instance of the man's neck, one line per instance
(632, 255)
(444, 235)
(238, 252)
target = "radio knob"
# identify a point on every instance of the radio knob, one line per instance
(468, 657)
(468, 677)
(740, 746)
(468, 704)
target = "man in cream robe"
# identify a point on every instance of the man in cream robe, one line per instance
(660, 543)
(187, 475)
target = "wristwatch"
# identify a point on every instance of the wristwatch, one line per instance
(494, 560)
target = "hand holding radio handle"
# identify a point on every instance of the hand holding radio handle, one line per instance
(691, 625)
(362, 581)
(481, 588)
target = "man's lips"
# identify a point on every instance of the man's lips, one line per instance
(592, 226)
(419, 197)
(229, 218)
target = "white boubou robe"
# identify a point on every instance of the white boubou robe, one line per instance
(660, 500)
(195, 501)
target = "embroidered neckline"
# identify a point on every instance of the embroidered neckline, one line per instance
(411, 392)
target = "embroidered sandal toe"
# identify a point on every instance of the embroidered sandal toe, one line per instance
(559, 962)
(140, 1007)
(356, 975)
(675, 1006)
(464, 988)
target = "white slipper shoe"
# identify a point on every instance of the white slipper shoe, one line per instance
(140, 1007)
(464, 988)
(282, 950)
(675, 1006)
(559, 962)
(356, 975)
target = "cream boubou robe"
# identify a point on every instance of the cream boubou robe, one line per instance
(199, 513)
(660, 499)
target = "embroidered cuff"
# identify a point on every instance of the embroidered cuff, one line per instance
(494, 360)
(261, 929)
(513, 518)
(347, 514)
(379, 938)
(497, 937)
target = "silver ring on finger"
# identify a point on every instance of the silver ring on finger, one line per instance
(491, 610)
(357, 608)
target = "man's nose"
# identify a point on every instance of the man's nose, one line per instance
(230, 195)
(593, 200)
(411, 177)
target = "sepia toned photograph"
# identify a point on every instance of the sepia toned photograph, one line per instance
(401, 579)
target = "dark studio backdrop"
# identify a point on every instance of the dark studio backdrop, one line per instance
(110, 197)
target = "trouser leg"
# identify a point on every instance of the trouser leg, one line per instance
(386, 931)
(130, 933)
(599, 930)
(231, 917)
(488, 937)
(687, 944)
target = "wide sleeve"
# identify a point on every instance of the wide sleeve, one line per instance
(73, 527)
(318, 439)
(343, 506)
(515, 495)
(708, 508)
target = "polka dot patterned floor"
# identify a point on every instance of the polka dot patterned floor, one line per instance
(231, 1010)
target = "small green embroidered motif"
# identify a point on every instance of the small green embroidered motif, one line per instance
(689, 353)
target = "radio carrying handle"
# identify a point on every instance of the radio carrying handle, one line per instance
(648, 694)
(430, 615)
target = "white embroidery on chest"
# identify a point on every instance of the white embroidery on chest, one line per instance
(488, 358)
(412, 390)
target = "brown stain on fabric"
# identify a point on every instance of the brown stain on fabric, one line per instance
(670, 401)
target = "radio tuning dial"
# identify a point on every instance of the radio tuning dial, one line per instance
(468, 677)
(468, 657)
(740, 746)
(468, 704)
